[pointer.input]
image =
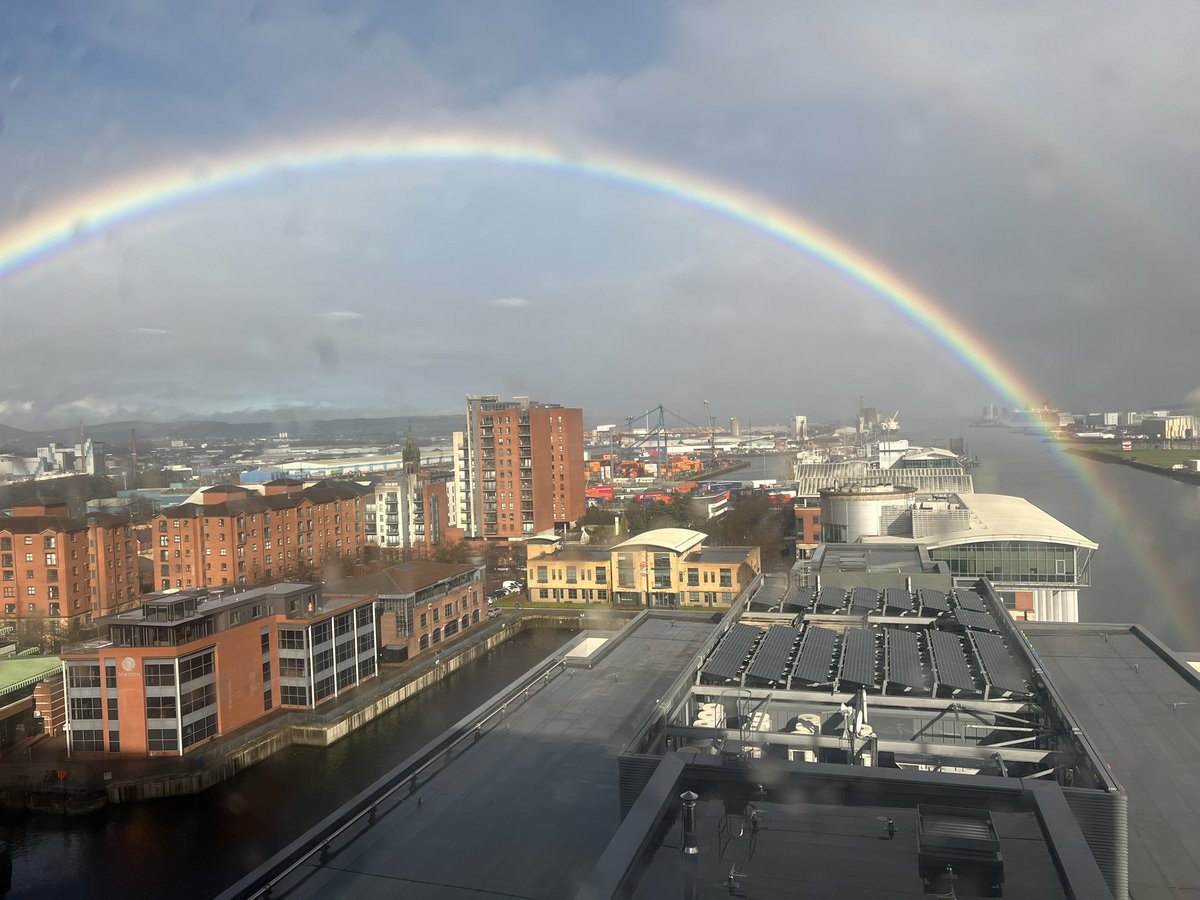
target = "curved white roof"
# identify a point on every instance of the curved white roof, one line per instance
(1000, 517)
(677, 540)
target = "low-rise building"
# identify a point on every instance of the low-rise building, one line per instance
(664, 567)
(421, 604)
(190, 666)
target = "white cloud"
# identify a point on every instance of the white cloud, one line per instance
(144, 330)
(341, 315)
(509, 302)
(15, 407)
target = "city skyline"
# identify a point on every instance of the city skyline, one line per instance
(973, 156)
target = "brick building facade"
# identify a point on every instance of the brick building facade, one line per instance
(190, 666)
(235, 535)
(58, 573)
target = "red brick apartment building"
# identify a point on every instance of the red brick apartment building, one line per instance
(526, 471)
(421, 604)
(190, 666)
(58, 573)
(238, 536)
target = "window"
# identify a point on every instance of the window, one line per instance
(83, 675)
(437, 635)
(90, 739)
(601, 575)
(160, 708)
(200, 730)
(693, 577)
(291, 695)
(291, 667)
(323, 689)
(267, 700)
(195, 700)
(541, 575)
(291, 639)
(196, 666)
(727, 578)
(85, 707)
(159, 739)
(424, 620)
(424, 642)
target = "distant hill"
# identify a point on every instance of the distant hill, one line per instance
(116, 434)
(17, 440)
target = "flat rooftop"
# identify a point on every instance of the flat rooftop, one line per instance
(1140, 705)
(528, 810)
(813, 849)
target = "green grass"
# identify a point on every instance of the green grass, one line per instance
(1163, 459)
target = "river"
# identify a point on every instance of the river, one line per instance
(1147, 569)
(195, 847)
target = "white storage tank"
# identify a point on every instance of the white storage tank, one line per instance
(857, 510)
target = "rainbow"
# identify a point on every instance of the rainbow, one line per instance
(74, 221)
(80, 218)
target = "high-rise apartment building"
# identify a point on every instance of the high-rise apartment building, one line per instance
(57, 572)
(524, 466)
(412, 511)
(237, 536)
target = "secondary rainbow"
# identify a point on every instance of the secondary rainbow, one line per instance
(77, 219)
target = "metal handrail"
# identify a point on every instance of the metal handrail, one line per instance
(410, 778)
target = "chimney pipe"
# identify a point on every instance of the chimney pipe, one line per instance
(690, 846)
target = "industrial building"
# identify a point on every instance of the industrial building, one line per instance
(663, 568)
(523, 467)
(192, 665)
(1037, 563)
(58, 572)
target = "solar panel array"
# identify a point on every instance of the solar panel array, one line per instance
(858, 657)
(896, 601)
(1002, 670)
(774, 653)
(797, 599)
(863, 599)
(968, 599)
(934, 600)
(814, 665)
(983, 621)
(902, 659)
(730, 656)
(951, 664)
(831, 598)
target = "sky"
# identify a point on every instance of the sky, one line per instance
(1029, 166)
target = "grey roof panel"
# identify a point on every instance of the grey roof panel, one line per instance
(831, 598)
(771, 661)
(952, 671)
(814, 664)
(935, 600)
(1002, 670)
(730, 656)
(863, 599)
(979, 620)
(902, 663)
(968, 599)
(858, 657)
(797, 599)
(896, 601)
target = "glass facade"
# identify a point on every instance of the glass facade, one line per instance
(1012, 562)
